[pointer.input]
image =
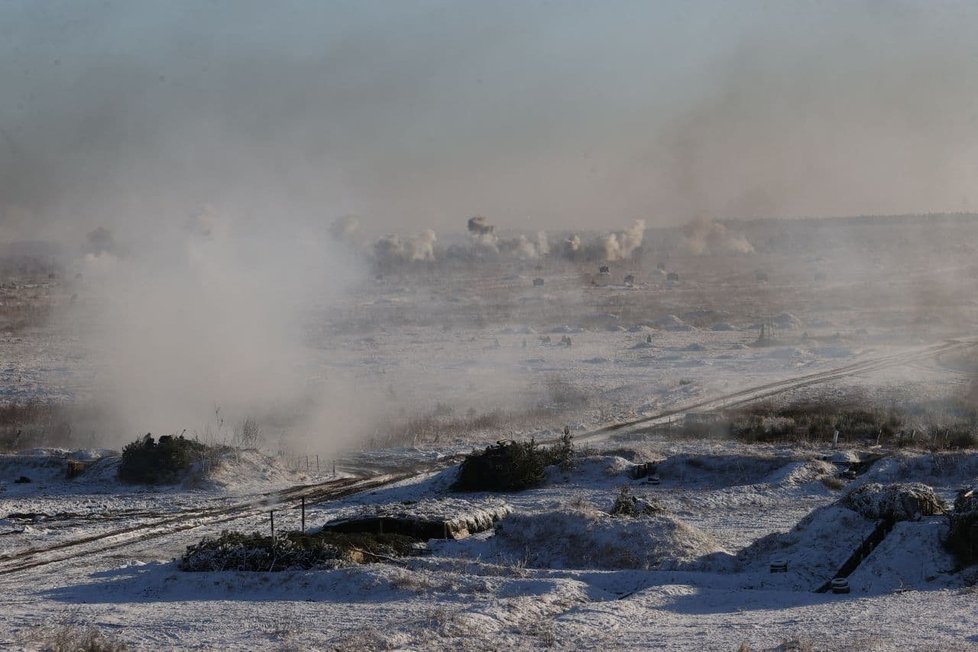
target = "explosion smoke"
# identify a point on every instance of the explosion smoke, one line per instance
(393, 248)
(710, 237)
(483, 234)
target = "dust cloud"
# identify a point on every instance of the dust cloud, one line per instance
(216, 173)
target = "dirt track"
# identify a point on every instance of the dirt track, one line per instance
(153, 527)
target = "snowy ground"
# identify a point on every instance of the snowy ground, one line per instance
(559, 572)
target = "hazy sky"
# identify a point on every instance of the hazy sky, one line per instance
(417, 114)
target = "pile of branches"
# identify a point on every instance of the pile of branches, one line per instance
(292, 550)
(512, 465)
(146, 461)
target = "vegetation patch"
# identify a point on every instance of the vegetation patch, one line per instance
(167, 461)
(33, 423)
(292, 550)
(512, 465)
(627, 504)
(71, 634)
(947, 425)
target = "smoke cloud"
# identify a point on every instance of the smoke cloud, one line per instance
(619, 246)
(706, 237)
(393, 248)
(200, 321)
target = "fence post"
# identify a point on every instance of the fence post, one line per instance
(272, 514)
(317, 463)
(303, 514)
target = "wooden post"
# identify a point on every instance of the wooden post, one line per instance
(334, 468)
(317, 463)
(272, 514)
(303, 513)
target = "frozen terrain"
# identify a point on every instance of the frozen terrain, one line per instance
(438, 360)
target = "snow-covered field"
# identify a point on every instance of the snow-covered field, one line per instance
(441, 361)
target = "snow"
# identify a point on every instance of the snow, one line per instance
(559, 571)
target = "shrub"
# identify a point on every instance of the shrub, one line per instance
(70, 636)
(627, 504)
(251, 435)
(165, 462)
(512, 465)
(832, 482)
(291, 550)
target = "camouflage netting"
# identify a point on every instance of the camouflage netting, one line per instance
(899, 502)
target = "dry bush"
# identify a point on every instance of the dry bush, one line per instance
(436, 426)
(34, 423)
(833, 483)
(943, 425)
(70, 636)
(250, 434)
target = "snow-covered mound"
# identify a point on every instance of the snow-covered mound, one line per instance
(948, 469)
(802, 472)
(911, 556)
(588, 538)
(250, 467)
(898, 502)
(814, 549)
(33, 469)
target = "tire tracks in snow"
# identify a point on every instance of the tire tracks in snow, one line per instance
(767, 390)
(194, 518)
(191, 519)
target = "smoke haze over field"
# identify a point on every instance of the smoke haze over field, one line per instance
(204, 162)
(552, 116)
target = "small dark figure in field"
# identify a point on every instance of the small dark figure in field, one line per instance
(648, 339)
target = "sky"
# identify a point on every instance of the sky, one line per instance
(418, 114)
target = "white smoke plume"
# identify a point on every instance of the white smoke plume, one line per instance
(621, 245)
(200, 316)
(393, 248)
(704, 237)
(524, 248)
(543, 244)
(422, 246)
(572, 246)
